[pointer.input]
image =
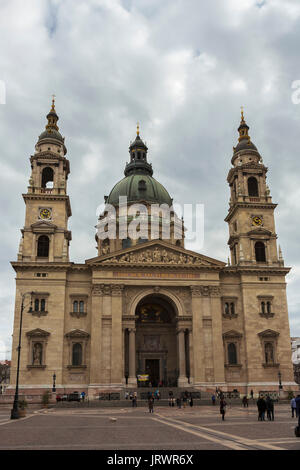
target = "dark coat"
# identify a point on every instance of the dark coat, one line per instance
(261, 404)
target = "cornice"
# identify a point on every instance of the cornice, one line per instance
(246, 205)
(49, 197)
(256, 269)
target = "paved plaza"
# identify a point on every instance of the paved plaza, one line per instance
(197, 428)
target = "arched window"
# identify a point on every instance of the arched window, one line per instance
(232, 355)
(36, 305)
(47, 177)
(75, 306)
(77, 354)
(260, 252)
(252, 187)
(81, 306)
(263, 307)
(226, 308)
(269, 353)
(43, 247)
(126, 243)
(268, 307)
(43, 305)
(232, 308)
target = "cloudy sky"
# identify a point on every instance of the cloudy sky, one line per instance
(182, 68)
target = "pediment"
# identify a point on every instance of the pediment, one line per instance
(43, 226)
(77, 334)
(259, 231)
(158, 253)
(268, 334)
(232, 334)
(37, 333)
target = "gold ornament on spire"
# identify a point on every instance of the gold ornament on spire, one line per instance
(53, 103)
(52, 118)
(137, 128)
(242, 114)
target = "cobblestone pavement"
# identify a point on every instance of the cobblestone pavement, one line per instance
(198, 428)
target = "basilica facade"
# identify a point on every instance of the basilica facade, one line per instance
(147, 310)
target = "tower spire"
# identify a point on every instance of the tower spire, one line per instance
(52, 118)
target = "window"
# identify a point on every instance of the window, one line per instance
(229, 307)
(47, 177)
(38, 340)
(232, 353)
(43, 305)
(260, 252)
(226, 308)
(81, 306)
(232, 308)
(126, 243)
(43, 247)
(142, 185)
(253, 187)
(77, 354)
(36, 305)
(75, 306)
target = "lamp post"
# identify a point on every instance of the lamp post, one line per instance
(53, 387)
(280, 384)
(15, 409)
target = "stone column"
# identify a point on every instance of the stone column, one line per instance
(198, 371)
(96, 336)
(217, 338)
(191, 355)
(182, 379)
(132, 366)
(116, 335)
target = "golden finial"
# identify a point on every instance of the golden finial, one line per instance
(242, 113)
(53, 102)
(137, 128)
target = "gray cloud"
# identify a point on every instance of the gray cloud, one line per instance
(183, 69)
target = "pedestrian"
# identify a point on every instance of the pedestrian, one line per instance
(126, 395)
(261, 406)
(170, 398)
(134, 400)
(213, 399)
(184, 399)
(245, 401)
(251, 393)
(293, 407)
(191, 401)
(223, 405)
(150, 404)
(178, 402)
(82, 396)
(270, 408)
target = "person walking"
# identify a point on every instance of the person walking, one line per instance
(150, 404)
(245, 401)
(213, 399)
(171, 398)
(223, 405)
(251, 393)
(134, 400)
(191, 401)
(184, 399)
(270, 408)
(293, 407)
(261, 406)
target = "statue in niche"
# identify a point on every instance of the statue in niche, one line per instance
(37, 354)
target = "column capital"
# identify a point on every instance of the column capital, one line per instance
(205, 291)
(132, 330)
(116, 290)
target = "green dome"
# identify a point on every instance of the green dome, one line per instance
(139, 187)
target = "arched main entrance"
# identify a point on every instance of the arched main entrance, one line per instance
(156, 341)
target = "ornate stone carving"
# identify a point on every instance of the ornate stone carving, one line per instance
(205, 291)
(116, 290)
(157, 256)
(196, 291)
(108, 289)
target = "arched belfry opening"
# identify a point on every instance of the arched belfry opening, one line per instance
(156, 341)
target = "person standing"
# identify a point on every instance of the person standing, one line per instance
(270, 408)
(261, 406)
(170, 398)
(293, 407)
(150, 404)
(82, 396)
(191, 401)
(223, 405)
(179, 402)
(245, 401)
(251, 393)
(213, 399)
(134, 400)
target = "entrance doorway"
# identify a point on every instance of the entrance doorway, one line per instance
(152, 369)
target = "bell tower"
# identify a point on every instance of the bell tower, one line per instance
(252, 235)
(45, 236)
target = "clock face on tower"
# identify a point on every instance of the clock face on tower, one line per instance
(256, 220)
(45, 213)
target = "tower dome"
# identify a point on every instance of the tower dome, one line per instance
(139, 184)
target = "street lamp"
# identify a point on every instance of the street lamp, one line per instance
(53, 387)
(279, 378)
(15, 409)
